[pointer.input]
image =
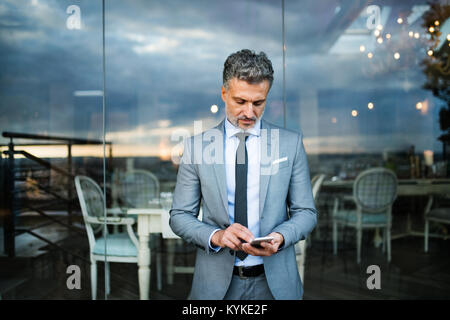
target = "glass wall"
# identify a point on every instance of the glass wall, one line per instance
(51, 121)
(164, 68)
(359, 85)
(366, 82)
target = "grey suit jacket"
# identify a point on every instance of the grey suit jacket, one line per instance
(286, 206)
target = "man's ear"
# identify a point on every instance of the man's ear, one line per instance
(223, 93)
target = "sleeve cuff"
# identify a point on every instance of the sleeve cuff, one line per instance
(213, 248)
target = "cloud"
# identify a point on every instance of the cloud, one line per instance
(165, 62)
(162, 45)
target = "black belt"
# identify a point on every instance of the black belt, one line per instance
(252, 271)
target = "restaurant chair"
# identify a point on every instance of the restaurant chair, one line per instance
(300, 247)
(437, 210)
(140, 189)
(374, 192)
(319, 178)
(120, 247)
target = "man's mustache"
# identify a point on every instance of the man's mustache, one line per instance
(245, 118)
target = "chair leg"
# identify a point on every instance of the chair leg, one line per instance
(318, 237)
(426, 235)
(384, 240)
(302, 271)
(358, 245)
(302, 274)
(158, 271)
(94, 279)
(388, 243)
(335, 237)
(171, 243)
(108, 279)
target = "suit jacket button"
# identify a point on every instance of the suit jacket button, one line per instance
(231, 252)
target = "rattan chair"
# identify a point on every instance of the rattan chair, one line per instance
(374, 192)
(300, 247)
(140, 189)
(437, 210)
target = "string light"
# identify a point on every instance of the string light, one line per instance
(399, 20)
(370, 105)
(436, 23)
(376, 33)
(419, 105)
(370, 55)
(388, 35)
(362, 48)
(430, 52)
(396, 56)
(431, 29)
(380, 40)
(411, 34)
(354, 113)
(416, 35)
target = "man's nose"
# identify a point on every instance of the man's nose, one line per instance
(248, 111)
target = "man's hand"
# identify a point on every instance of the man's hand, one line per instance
(232, 237)
(267, 248)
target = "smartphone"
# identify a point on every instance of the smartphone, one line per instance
(257, 241)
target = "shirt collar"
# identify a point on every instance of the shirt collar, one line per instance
(231, 130)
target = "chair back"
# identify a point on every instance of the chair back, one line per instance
(375, 190)
(139, 189)
(300, 247)
(316, 183)
(92, 205)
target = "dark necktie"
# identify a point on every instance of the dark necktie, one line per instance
(240, 193)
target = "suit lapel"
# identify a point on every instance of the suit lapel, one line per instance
(219, 171)
(264, 178)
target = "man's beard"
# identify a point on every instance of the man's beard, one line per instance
(235, 121)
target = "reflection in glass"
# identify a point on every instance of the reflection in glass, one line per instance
(50, 101)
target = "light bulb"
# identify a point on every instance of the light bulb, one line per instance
(214, 108)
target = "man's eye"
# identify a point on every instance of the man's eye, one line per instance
(240, 102)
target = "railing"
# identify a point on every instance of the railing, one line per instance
(10, 207)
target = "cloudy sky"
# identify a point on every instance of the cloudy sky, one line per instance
(164, 62)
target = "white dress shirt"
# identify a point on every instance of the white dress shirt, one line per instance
(253, 145)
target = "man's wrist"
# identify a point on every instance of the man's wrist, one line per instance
(280, 240)
(212, 246)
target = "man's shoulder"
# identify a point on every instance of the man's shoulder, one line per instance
(284, 132)
(209, 134)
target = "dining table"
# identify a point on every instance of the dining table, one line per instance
(154, 219)
(428, 187)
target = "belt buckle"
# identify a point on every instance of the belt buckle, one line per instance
(241, 272)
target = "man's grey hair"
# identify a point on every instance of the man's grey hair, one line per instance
(249, 66)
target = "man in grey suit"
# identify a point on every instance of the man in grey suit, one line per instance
(245, 193)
